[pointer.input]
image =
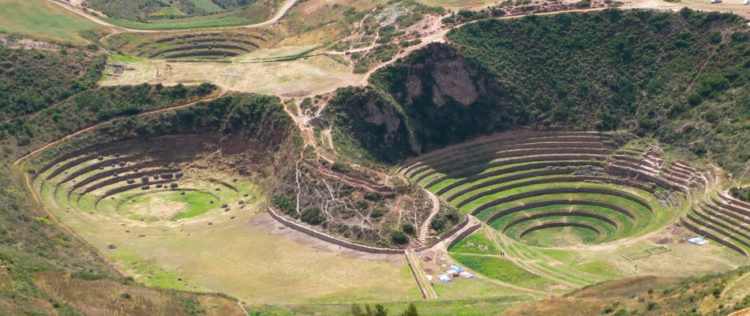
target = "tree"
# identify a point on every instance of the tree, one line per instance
(398, 237)
(379, 310)
(437, 224)
(410, 311)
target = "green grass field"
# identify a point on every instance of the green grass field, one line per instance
(503, 270)
(476, 243)
(243, 16)
(43, 20)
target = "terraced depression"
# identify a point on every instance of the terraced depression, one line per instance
(374, 157)
(551, 198)
(136, 199)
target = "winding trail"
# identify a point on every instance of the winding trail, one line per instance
(100, 124)
(426, 224)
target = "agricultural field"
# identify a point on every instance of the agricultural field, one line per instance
(184, 14)
(43, 20)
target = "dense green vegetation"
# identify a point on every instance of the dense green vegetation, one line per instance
(257, 119)
(741, 193)
(31, 80)
(93, 106)
(680, 77)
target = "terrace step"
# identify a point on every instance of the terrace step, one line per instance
(698, 229)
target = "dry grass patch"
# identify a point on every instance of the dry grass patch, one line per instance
(308, 75)
(108, 297)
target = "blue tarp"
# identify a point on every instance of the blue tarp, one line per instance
(456, 268)
(444, 278)
(698, 241)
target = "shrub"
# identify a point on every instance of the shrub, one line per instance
(739, 37)
(437, 224)
(714, 37)
(453, 216)
(362, 204)
(398, 237)
(341, 167)
(313, 216)
(740, 193)
(373, 196)
(408, 228)
(285, 203)
(378, 212)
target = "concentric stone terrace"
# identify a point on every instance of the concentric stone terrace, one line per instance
(147, 181)
(554, 188)
(723, 219)
(182, 46)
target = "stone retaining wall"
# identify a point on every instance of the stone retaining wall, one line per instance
(463, 235)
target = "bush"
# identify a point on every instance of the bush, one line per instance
(285, 203)
(398, 237)
(341, 167)
(408, 228)
(453, 216)
(373, 196)
(715, 38)
(362, 204)
(378, 212)
(740, 193)
(437, 224)
(313, 216)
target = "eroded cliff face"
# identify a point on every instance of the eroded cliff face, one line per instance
(444, 73)
(446, 98)
(433, 98)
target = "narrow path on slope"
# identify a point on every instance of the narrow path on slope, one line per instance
(435, 209)
(92, 127)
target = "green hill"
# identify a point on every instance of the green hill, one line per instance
(682, 78)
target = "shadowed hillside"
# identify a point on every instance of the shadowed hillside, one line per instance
(681, 78)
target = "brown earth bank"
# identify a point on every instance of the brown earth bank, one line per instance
(110, 297)
(646, 295)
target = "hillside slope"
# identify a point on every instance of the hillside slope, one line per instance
(682, 78)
